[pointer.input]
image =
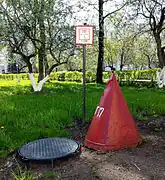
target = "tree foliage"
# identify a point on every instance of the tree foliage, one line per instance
(152, 15)
(36, 28)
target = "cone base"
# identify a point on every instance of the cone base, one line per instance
(105, 147)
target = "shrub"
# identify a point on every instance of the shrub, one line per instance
(69, 76)
(73, 76)
(61, 76)
(106, 75)
(77, 76)
(54, 76)
(90, 76)
(129, 77)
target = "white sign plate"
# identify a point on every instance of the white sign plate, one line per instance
(84, 35)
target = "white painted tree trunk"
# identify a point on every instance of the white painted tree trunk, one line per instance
(41, 83)
(161, 78)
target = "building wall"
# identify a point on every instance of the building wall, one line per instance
(3, 61)
(2, 69)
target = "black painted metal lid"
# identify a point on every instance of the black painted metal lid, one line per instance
(48, 149)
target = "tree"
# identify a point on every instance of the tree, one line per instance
(75, 63)
(111, 51)
(37, 29)
(147, 50)
(124, 36)
(137, 47)
(153, 14)
(15, 63)
(102, 18)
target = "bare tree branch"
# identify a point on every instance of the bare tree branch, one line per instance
(115, 11)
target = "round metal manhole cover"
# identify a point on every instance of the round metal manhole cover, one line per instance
(48, 149)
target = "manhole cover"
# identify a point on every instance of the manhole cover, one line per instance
(48, 149)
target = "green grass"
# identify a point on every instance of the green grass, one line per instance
(28, 116)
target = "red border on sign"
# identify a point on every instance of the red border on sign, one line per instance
(77, 44)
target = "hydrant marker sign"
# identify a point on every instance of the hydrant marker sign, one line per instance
(84, 35)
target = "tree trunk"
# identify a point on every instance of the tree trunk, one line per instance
(121, 63)
(42, 50)
(46, 65)
(149, 62)
(41, 65)
(99, 78)
(121, 67)
(29, 65)
(122, 60)
(160, 51)
(37, 88)
(34, 65)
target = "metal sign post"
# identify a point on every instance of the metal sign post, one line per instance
(84, 36)
(84, 82)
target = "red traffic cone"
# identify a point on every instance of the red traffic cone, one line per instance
(112, 127)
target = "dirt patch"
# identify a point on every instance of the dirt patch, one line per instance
(146, 162)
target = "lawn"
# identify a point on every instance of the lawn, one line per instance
(26, 116)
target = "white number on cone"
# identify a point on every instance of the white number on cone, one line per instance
(99, 111)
